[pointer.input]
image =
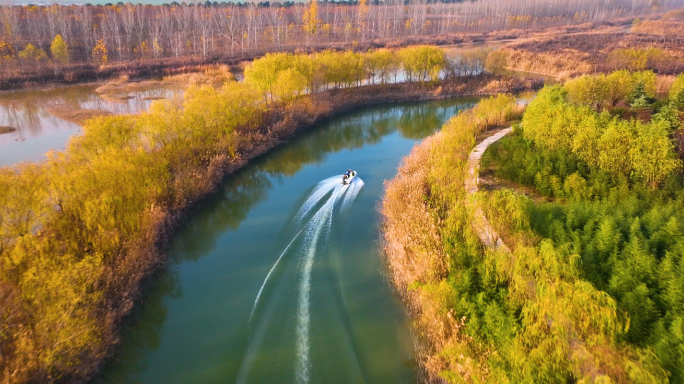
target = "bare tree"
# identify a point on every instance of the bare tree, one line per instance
(137, 32)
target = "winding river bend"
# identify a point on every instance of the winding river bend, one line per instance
(277, 278)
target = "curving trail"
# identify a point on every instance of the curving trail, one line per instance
(484, 230)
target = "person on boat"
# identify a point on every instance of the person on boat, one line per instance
(348, 173)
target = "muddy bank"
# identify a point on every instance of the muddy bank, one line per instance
(74, 114)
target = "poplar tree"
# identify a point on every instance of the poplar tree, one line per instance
(310, 18)
(99, 53)
(31, 53)
(60, 50)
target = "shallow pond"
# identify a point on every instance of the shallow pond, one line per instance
(278, 278)
(37, 131)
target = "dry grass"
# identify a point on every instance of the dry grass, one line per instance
(677, 14)
(214, 75)
(561, 64)
(424, 201)
(413, 248)
(660, 27)
(664, 83)
(118, 90)
(75, 115)
(564, 56)
(6, 129)
(412, 242)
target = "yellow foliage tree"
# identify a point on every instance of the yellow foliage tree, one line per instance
(99, 53)
(496, 61)
(363, 9)
(6, 51)
(310, 18)
(32, 53)
(677, 86)
(60, 50)
(422, 63)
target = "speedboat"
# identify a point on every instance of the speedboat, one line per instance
(346, 180)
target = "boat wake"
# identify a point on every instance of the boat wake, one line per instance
(312, 225)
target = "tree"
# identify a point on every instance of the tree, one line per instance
(31, 53)
(290, 83)
(422, 63)
(60, 50)
(99, 53)
(496, 61)
(587, 90)
(6, 51)
(678, 101)
(310, 18)
(652, 154)
(618, 86)
(638, 97)
(677, 90)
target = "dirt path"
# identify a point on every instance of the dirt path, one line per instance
(484, 230)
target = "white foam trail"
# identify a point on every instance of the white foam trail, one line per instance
(352, 192)
(256, 301)
(322, 189)
(317, 223)
(318, 226)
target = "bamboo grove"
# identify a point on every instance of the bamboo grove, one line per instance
(126, 32)
(78, 231)
(589, 201)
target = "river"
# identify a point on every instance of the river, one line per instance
(277, 277)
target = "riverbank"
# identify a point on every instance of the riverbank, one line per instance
(428, 237)
(143, 223)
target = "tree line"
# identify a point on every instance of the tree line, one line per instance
(281, 76)
(125, 32)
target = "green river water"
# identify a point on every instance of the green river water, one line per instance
(277, 278)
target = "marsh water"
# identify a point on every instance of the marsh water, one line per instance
(37, 131)
(277, 277)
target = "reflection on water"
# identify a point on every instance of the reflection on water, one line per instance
(356, 130)
(38, 131)
(194, 326)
